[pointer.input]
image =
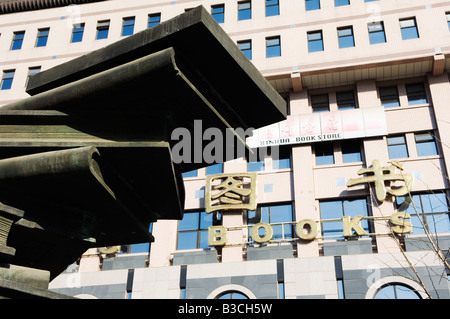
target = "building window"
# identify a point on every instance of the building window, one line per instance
(193, 230)
(396, 291)
(256, 166)
(376, 32)
(214, 169)
(332, 210)
(341, 293)
(32, 71)
(345, 37)
(427, 211)
(416, 94)
(275, 214)
(338, 3)
(153, 19)
(244, 10)
(142, 247)
(128, 26)
(320, 103)
(246, 48)
(273, 47)
(409, 29)
(77, 33)
(315, 41)
(272, 8)
(42, 37)
(102, 29)
(397, 147)
(346, 100)
(281, 290)
(351, 151)
(17, 40)
(324, 153)
(192, 173)
(426, 144)
(232, 295)
(7, 79)
(312, 5)
(389, 96)
(218, 13)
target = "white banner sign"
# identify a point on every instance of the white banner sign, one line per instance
(319, 127)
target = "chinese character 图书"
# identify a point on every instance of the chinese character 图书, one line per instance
(230, 193)
(378, 175)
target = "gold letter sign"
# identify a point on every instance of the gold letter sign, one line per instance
(230, 191)
(378, 175)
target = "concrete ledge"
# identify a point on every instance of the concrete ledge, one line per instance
(270, 252)
(423, 243)
(126, 262)
(350, 247)
(206, 256)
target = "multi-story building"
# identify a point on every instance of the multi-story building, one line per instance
(351, 62)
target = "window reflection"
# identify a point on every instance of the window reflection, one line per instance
(396, 291)
(232, 295)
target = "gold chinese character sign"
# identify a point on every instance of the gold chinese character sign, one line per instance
(230, 191)
(379, 175)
